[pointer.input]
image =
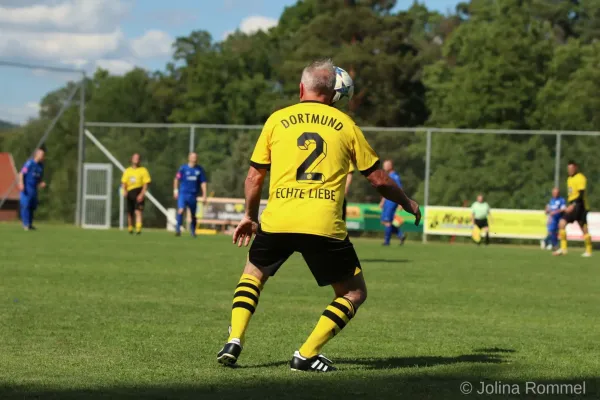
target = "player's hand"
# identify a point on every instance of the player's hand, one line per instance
(175, 195)
(204, 201)
(42, 185)
(416, 211)
(125, 193)
(244, 231)
(570, 209)
(21, 187)
(140, 198)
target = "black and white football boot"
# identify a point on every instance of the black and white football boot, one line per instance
(318, 363)
(230, 352)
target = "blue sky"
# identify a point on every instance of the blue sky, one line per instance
(113, 34)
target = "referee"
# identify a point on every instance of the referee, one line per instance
(480, 213)
(135, 183)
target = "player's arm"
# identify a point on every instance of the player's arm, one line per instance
(42, 183)
(580, 187)
(367, 163)
(22, 176)
(348, 183)
(252, 190)
(176, 184)
(144, 190)
(124, 183)
(260, 162)
(21, 181)
(391, 191)
(204, 187)
(146, 178)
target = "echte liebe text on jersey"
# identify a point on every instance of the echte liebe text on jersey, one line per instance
(295, 193)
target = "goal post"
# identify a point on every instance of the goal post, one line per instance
(121, 168)
(97, 196)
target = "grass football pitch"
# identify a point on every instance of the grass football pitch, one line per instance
(101, 314)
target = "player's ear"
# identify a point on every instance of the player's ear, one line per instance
(301, 90)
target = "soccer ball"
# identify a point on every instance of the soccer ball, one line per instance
(344, 86)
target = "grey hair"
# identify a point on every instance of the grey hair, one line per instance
(319, 77)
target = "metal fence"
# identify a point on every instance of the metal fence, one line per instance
(429, 159)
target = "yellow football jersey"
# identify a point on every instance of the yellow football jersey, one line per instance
(575, 184)
(134, 178)
(309, 148)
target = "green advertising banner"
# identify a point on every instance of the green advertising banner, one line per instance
(367, 217)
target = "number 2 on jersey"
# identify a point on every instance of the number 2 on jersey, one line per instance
(306, 171)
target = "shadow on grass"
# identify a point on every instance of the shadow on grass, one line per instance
(295, 386)
(384, 260)
(397, 362)
(494, 350)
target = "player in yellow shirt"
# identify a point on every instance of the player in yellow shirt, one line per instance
(308, 148)
(576, 210)
(135, 183)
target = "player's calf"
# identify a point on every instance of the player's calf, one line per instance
(179, 220)
(245, 301)
(350, 295)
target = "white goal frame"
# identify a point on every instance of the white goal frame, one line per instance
(106, 196)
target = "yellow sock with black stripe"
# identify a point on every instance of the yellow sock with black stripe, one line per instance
(245, 300)
(130, 228)
(138, 227)
(335, 317)
(562, 235)
(587, 239)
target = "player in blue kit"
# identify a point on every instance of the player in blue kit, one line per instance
(30, 179)
(187, 184)
(388, 208)
(554, 209)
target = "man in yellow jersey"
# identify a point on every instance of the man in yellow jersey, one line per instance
(308, 148)
(135, 183)
(576, 210)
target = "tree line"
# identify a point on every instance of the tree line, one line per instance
(503, 64)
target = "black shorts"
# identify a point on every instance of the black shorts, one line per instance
(578, 215)
(330, 260)
(132, 203)
(344, 206)
(481, 223)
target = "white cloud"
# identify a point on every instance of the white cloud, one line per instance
(252, 24)
(152, 44)
(19, 114)
(257, 23)
(116, 67)
(77, 33)
(59, 46)
(72, 15)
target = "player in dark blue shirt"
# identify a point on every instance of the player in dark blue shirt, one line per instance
(189, 180)
(31, 178)
(554, 209)
(388, 208)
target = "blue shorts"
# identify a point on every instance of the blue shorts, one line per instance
(187, 201)
(553, 227)
(388, 212)
(28, 201)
